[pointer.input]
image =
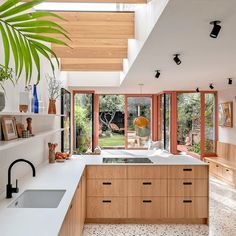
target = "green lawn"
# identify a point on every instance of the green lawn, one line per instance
(115, 140)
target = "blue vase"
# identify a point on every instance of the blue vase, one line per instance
(35, 100)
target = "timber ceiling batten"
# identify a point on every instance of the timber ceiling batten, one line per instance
(99, 40)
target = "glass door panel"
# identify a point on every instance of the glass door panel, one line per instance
(209, 136)
(189, 125)
(139, 121)
(83, 122)
(166, 114)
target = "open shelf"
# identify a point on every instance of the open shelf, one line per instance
(11, 113)
(13, 143)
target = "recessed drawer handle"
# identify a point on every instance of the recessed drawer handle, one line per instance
(147, 183)
(187, 169)
(187, 201)
(217, 166)
(147, 201)
(227, 169)
(106, 183)
(187, 183)
(106, 201)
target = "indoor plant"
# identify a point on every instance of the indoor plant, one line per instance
(5, 74)
(54, 89)
(23, 33)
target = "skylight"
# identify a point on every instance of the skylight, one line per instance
(55, 6)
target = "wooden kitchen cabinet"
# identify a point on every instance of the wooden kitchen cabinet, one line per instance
(107, 207)
(107, 187)
(147, 194)
(75, 217)
(187, 207)
(147, 207)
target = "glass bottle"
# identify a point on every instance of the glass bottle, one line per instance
(36, 101)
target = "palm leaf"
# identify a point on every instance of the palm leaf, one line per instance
(26, 36)
(5, 45)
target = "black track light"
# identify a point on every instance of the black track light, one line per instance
(197, 90)
(157, 74)
(216, 28)
(176, 59)
(230, 81)
(211, 86)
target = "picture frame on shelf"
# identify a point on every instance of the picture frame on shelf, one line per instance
(226, 114)
(9, 128)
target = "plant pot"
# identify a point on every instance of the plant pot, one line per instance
(52, 106)
(2, 101)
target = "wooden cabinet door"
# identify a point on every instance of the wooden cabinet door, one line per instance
(147, 207)
(188, 172)
(188, 187)
(107, 187)
(147, 187)
(84, 187)
(187, 207)
(106, 207)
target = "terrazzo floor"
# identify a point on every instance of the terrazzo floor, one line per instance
(222, 220)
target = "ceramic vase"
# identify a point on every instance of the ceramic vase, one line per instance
(52, 106)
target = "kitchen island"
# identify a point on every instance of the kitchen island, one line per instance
(172, 189)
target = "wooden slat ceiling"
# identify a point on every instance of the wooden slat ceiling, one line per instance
(98, 39)
(103, 1)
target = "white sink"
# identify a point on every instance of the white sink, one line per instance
(38, 199)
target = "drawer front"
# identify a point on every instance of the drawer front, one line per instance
(188, 172)
(147, 207)
(147, 187)
(106, 172)
(214, 168)
(188, 187)
(188, 207)
(228, 174)
(106, 207)
(106, 187)
(147, 172)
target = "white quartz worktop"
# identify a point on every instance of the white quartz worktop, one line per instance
(47, 222)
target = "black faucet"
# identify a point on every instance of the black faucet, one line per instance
(10, 189)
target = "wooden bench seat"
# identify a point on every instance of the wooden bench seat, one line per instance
(223, 166)
(222, 161)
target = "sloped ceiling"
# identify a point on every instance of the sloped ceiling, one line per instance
(184, 28)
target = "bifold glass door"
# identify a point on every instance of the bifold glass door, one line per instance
(83, 122)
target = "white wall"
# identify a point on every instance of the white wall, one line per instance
(228, 135)
(35, 150)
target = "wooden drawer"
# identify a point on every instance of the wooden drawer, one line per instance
(188, 187)
(187, 207)
(147, 207)
(147, 172)
(106, 207)
(106, 187)
(214, 168)
(188, 172)
(227, 174)
(106, 172)
(147, 187)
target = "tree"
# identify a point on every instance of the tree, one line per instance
(109, 105)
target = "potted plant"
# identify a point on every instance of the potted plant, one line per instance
(54, 89)
(5, 74)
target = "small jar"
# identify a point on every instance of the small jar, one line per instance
(51, 156)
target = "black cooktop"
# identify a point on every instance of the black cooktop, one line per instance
(127, 160)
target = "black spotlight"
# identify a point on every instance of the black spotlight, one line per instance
(216, 28)
(230, 81)
(197, 90)
(211, 86)
(157, 74)
(176, 59)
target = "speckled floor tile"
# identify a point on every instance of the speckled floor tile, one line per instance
(222, 220)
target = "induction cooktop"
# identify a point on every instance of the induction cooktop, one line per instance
(127, 160)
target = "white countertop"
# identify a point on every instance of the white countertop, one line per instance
(48, 221)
